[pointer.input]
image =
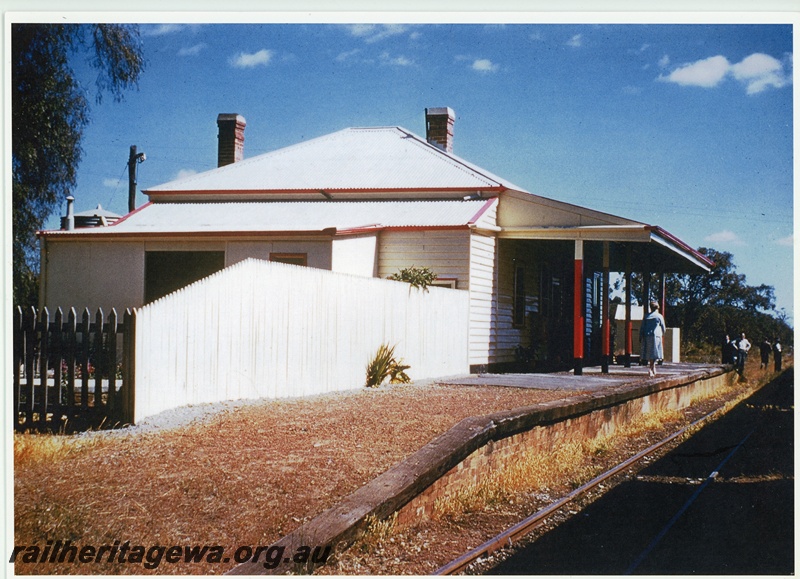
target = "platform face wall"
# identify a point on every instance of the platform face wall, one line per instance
(493, 456)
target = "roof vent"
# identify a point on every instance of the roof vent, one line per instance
(439, 127)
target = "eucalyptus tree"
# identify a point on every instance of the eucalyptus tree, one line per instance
(49, 112)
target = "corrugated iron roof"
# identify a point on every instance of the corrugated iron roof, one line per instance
(292, 216)
(354, 159)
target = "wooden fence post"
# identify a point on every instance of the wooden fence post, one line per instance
(30, 347)
(19, 348)
(84, 359)
(72, 345)
(99, 365)
(44, 326)
(57, 357)
(111, 365)
(128, 394)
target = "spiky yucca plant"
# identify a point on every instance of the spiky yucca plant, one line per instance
(384, 365)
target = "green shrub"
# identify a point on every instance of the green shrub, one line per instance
(417, 276)
(384, 365)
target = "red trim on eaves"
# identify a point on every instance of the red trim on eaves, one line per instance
(483, 210)
(680, 243)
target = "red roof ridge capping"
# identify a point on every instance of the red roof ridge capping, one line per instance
(680, 243)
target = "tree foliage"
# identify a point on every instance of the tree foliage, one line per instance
(417, 275)
(50, 110)
(709, 306)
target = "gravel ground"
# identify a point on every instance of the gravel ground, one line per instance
(227, 474)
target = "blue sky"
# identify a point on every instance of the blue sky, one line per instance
(687, 126)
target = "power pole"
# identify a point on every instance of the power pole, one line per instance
(133, 160)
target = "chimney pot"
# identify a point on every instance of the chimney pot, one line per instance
(231, 138)
(439, 127)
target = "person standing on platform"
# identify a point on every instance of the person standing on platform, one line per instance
(653, 329)
(777, 354)
(744, 347)
(765, 348)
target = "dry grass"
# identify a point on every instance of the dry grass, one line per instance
(537, 471)
(247, 476)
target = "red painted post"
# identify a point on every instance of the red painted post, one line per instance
(628, 321)
(577, 315)
(606, 310)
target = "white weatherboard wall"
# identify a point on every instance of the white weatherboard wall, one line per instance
(261, 329)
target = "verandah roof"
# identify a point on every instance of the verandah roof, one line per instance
(652, 248)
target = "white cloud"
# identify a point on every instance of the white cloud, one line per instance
(787, 241)
(756, 72)
(663, 62)
(375, 33)
(484, 65)
(162, 29)
(360, 30)
(759, 71)
(192, 50)
(706, 73)
(245, 60)
(576, 41)
(724, 237)
(111, 183)
(342, 56)
(395, 61)
(183, 173)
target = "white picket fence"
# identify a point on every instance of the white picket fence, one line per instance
(260, 329)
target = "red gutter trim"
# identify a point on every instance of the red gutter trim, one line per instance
(374, 228)
(680, 243)
(483, 210)
(185, 234)
(332, 231)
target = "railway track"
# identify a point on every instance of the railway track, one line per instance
(513, 534)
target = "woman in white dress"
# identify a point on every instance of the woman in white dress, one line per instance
(653, 329)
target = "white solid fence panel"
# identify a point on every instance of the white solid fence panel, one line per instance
(260, 329)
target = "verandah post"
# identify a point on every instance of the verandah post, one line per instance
(577, 312)
(628, 298)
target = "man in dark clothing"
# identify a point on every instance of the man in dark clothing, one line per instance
(729, 351)
(777, 354)
(765, 348)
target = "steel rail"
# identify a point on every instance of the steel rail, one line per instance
(509, 536)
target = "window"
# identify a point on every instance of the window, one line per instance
(518, 313)
(449, 282)
(290, 258)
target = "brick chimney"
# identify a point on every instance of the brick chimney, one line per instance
(439, 127)
(231, 138)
